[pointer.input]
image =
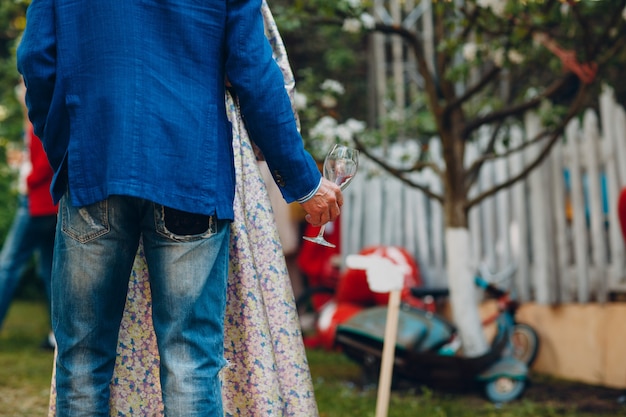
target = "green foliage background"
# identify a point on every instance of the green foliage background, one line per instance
(318, 50)
(12, 21)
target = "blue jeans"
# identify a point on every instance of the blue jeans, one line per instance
(28, 236)
(187, 257)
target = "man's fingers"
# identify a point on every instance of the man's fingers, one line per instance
(325, 206)
(324, 216)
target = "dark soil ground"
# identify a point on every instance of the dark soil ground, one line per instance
(590, 399)
(562, 396)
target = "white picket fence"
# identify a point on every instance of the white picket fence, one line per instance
(558, 226)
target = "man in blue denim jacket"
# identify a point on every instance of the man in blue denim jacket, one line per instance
(128, 99)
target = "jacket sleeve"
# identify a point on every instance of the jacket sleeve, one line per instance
(265, 105)
(36, 61)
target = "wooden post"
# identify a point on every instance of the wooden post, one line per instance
(389, 351)
(383, 276)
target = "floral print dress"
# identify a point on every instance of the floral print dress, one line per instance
(267, 372)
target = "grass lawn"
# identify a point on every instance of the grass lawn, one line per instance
(25, 369)
(25, 377)
(338, 394)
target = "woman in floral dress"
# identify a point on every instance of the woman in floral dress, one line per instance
(267, 372)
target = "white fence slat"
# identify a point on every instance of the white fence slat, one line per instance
(436, 214)
(615, 268)
(608, 113)
(502, 247)
(423, 240)
(391, 210)
(591, 141)
(488, 211)
(408, 219)
(373, 215)
(353, 213)
(614, 129)
(619, 141)
(539, 219)
(520, 221)
(579, 229)
(474, 216)
(611, 154)
(435, 227)
(564, 291)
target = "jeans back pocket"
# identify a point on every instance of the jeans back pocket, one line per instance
(182, 226)
(86, 223)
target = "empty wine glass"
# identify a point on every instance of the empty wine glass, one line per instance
(340, 167)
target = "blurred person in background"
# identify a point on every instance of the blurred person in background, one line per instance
(33, 228)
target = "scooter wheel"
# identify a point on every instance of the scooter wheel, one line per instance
(525, 343)
(504, 389)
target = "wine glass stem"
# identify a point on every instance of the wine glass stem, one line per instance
(320, 235)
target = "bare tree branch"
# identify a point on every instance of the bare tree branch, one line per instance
(474, 169)
(400, 174)
(554, 136)
(514, 110)
(485, 80)
(493, 156)
(422, 65)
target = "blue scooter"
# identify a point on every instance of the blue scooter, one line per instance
(427, 347)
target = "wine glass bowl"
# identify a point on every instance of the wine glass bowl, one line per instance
(340, 171)
(340, 167)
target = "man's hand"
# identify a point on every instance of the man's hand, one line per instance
(325, 205)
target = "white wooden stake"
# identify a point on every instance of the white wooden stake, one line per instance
(383, 276)
(389, 351)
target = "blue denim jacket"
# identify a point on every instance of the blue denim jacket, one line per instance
(128, 98)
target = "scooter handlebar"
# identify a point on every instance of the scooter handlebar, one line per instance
(489, 288)
(421, 292)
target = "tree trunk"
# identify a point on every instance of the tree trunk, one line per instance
(461, 268)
